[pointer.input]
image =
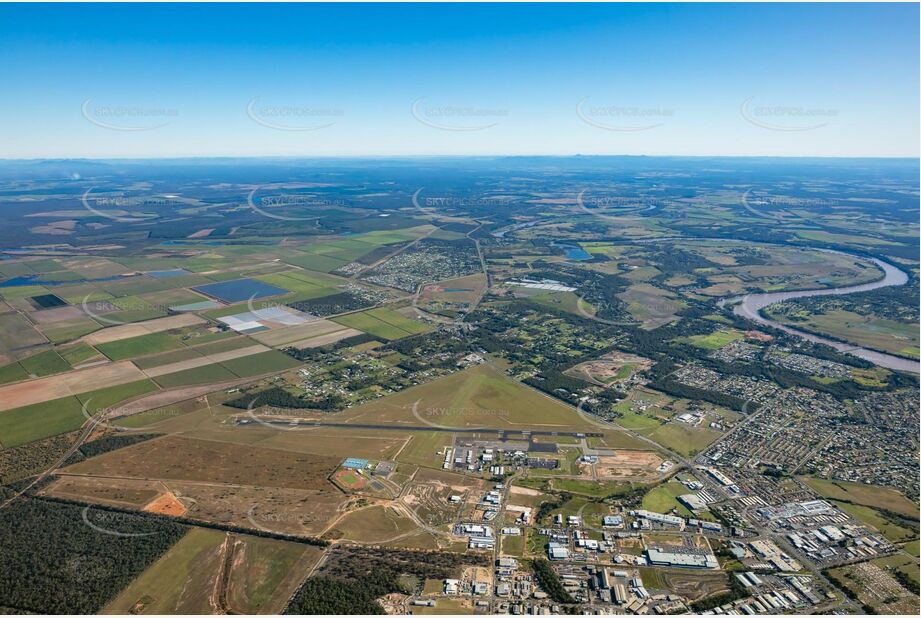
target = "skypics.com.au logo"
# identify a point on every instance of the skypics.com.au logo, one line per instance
(432, 416)
(611, 208)
(622, 118)
(457, 118)
(289, 206)
(125, 206)
(786, 118)
(127, 118)
(292, 118)
(437, 204)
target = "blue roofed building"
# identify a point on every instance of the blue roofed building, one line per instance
(353, 463)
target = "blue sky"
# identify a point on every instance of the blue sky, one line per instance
(658, 79)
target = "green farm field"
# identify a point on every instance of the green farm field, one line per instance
(382, 322)
(41, 420)
(139, 346)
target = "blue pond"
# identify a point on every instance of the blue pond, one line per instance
(573, 252)
(239, 289)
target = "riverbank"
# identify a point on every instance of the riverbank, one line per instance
(751, 307)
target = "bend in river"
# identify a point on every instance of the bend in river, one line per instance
(752, 304)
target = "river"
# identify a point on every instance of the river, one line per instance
(752, 304)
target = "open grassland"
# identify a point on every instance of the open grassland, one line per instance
(69, 330)
(281, 336)
(663, 498)
(223, 366)
(889, 528)
(445, 607)
(638, 422)
(338, 443)
(617, 440)
(865, 495)
(479, 396)
(198, 375)
(389, 237)
(424, 448)
(682, 438)
(299, 281)
(562, 301)
(314, 261)
(371, 325)
(196, 419)
(12, 373)
(715, 340)
(126, 493)
(650, 305)
(849, 239)
(179, 458)
(266, 572)
(181, 581)
(592, 489)
(867, 331)
(374, 524)
(273, 509)
(264, 362)
(184, 360)
(166, 358)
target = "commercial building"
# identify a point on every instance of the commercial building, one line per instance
(659, 557)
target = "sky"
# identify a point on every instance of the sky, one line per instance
(179, 80)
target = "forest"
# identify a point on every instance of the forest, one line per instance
(352, 578)
(53, 562)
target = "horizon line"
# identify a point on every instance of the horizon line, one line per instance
(454, 156)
